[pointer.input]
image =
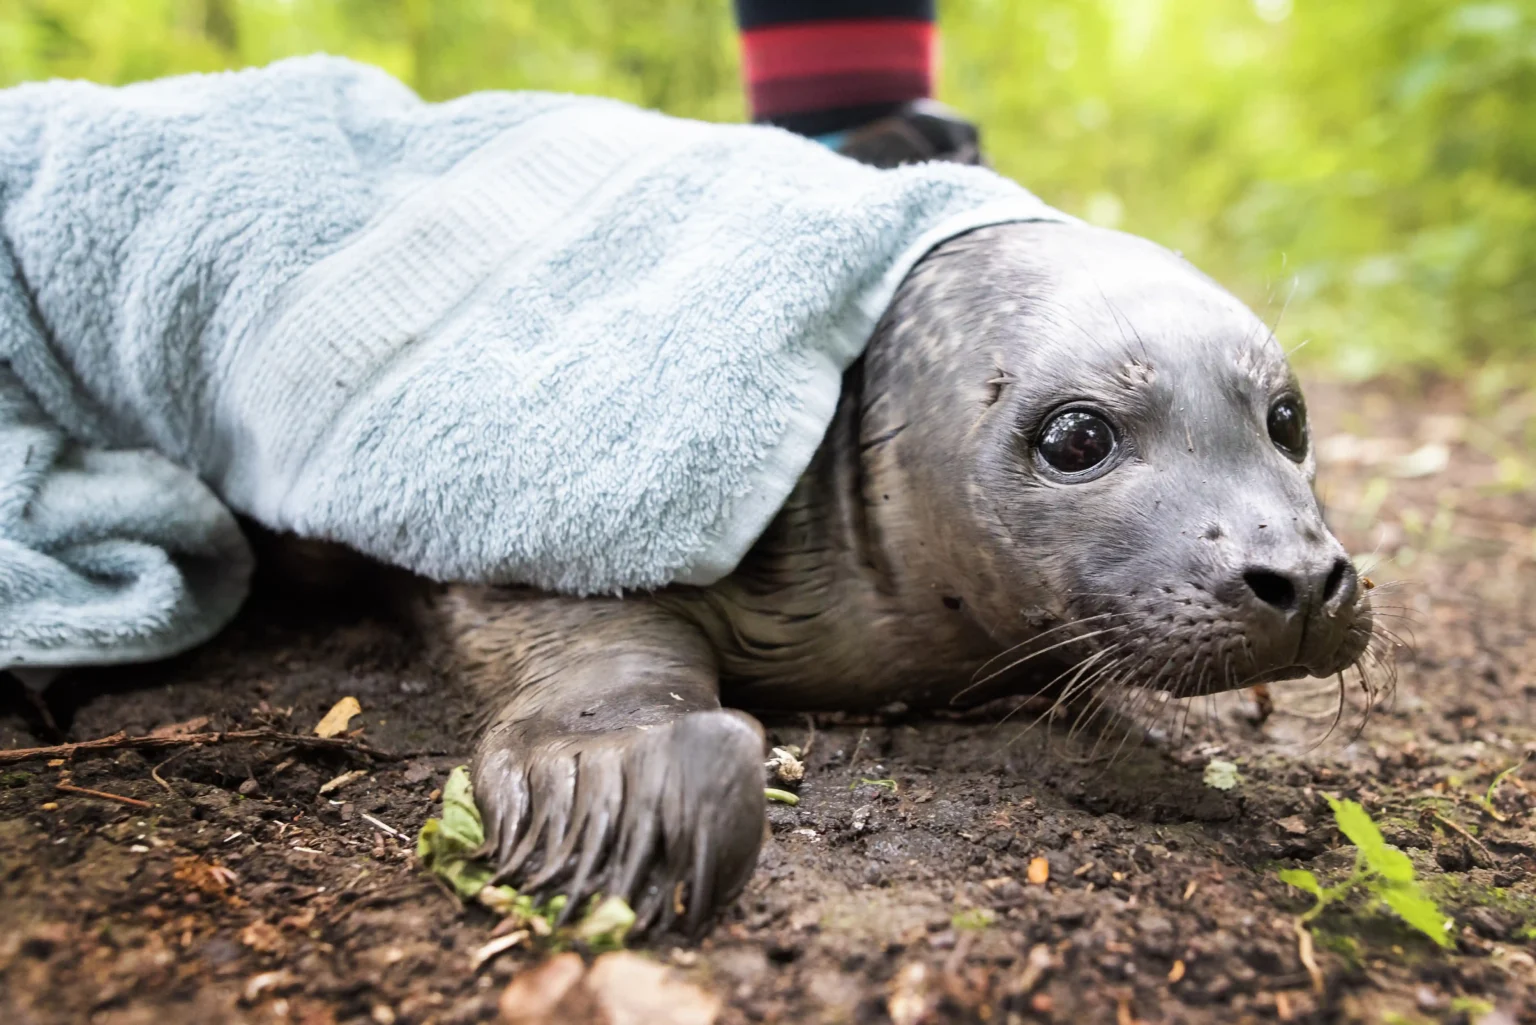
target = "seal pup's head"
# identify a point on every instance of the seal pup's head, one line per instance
(1130, 455)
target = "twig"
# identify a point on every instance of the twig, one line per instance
(1463, 831)
(121, 741)
(87, 791)
(391, 830)
(1308, 960)
(154, 773)
(863, 735)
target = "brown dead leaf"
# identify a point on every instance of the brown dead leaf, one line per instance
(533, 997)
(335, 721)
(1293, 824)
(911, 996)
(1039, 871)
(177, 729)
(262, 937)
(631, 989)
(206, 878)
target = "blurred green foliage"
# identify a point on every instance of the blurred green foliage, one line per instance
(1366, 168)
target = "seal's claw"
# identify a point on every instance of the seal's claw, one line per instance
(670, 818)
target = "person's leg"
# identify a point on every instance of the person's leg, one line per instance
(856, 74)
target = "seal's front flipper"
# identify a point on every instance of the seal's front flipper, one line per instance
(606, 764)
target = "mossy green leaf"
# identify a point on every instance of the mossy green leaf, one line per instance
(972, 919)
(1302, 880)
(606, 925)
(447, 846)
(1419, 911)
(1221, 775)
(1392, 865)
(1355, 823)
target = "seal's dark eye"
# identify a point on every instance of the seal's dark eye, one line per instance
(1288, 427)
(1076, 441)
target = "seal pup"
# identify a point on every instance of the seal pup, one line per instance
(1061, 441)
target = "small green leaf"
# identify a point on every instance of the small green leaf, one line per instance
(1355, 823)
(1419, 911)
(1392, 865)
(972, 919)
(447, 846)
(1221, 775)
(1302, 880)
(606, 925)
(782, 796)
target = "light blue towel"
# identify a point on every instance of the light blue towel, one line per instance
(516, 337)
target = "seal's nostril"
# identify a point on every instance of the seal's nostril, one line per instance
(1341, 573)
(1271, 588)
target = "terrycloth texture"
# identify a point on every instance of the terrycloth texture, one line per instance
(515, 337)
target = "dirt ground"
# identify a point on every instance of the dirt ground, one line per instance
(237, 892)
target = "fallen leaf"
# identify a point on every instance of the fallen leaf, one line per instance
(205, 877)
(342, 780)
(631, 989)
(910, 998)
(606, 925)
(262, 937)
(1039, 871)
(1294, 824)
(335, 721)
(177, 729)
(532, 997)
(450, 846)
(1221, 774)
(1176, 972)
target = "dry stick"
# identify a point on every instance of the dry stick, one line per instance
(120, 741)
(1308, 958)
(155, 772)
(1463, 831)
(70, 788)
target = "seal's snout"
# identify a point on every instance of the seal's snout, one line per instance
(1301, 590)
(1305, 608)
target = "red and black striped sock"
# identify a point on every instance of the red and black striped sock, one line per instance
(823, 66)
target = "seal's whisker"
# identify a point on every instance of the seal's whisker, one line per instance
(1036, 654)
(1079, 667)
(1098, 700)
(1412, 617)
(1081, 685)
(1070, 692)
(1385, 635)
(1189, 705)
(1049, 712)
(1008, 652)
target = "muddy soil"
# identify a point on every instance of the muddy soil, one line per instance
(237, 892)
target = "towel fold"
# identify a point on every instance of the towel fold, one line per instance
(514, 337)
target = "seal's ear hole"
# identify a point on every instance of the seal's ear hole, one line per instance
(1287, 423)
